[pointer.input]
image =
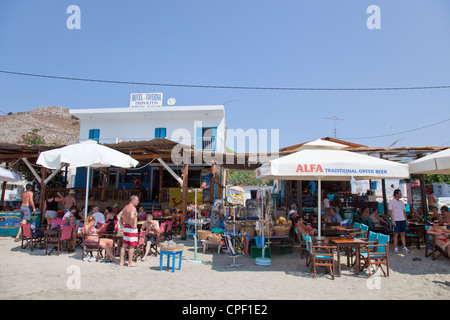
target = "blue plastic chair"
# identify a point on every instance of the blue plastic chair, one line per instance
(379, 256)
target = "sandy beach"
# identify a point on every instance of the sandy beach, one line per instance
(32, 275)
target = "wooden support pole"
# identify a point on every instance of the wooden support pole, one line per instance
(423, 196)
(161, 172)
(3, 193)
(184, 201)
(42, 193)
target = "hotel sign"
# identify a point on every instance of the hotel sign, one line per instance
(146, 99)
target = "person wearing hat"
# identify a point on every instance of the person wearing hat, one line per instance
(69, 200)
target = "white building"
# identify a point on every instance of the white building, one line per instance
(200, 126)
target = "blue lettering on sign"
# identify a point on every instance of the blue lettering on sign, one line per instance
(350, 171)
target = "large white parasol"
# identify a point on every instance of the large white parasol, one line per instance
(435, 163)
(330, 165)
(87, 154)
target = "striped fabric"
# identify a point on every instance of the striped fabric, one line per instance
(130, 236)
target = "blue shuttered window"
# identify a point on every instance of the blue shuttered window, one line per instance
(160, 132)
(94, 134)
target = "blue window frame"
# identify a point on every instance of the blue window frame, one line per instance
(94, 134)
(207, 138)
(160, 132)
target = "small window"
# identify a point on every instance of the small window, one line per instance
(94, 134)
(160, 132)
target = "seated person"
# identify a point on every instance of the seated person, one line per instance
(413, 215)
(441, 235)
(75, 221)
(152, 228)
(446, 216)
(141, 212)
(8, 206)
(99, 217)
(436, 215)
(92, 237)
(110, 220)
(68, 213)
(365, 212)
(302, 228)
(379, 223)
(333, 216)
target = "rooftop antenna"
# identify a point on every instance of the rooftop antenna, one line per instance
(396, 140)
(334, 118)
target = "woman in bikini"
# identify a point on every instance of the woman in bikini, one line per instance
(441, 234)
(92, 236)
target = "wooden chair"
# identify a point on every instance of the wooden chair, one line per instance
(91, 247)
(154, 246)
(320, 256)
(139, 251)
(57, 238)
(302, 244)
(31, 237)
(413, 237)
(379, 256)
(368, 246)
(56, 222)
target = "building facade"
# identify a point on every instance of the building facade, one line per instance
(202, 127)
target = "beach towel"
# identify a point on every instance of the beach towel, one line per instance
(130, 235)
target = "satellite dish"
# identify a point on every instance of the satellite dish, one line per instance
(171, 101)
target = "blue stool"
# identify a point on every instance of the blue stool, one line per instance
(170, 254)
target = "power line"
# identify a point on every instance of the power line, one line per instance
(221, 87)
(407, 131)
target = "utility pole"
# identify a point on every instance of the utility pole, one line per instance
(334, 118)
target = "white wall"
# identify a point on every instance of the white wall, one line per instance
(138, 127)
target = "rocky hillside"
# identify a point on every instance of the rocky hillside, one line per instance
(55, 124)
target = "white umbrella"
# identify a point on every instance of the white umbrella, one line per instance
(85, 154)
(435, 163)
(8, 175)
(330, 165)
(322, 144)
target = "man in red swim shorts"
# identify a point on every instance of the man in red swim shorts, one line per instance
(128, 218)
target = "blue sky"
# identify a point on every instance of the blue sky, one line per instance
(258, 43)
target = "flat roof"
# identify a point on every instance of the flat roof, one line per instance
(211, 110)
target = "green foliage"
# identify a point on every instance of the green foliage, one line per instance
(437, 178)
(245, 178)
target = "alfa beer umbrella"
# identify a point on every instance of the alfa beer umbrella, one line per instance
(330, 165)
(435, 163)
(87, 154)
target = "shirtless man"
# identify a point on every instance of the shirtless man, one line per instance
(128, 218)
(69, 200)
(27, 207)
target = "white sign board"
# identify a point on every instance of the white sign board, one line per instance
(146, 99)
